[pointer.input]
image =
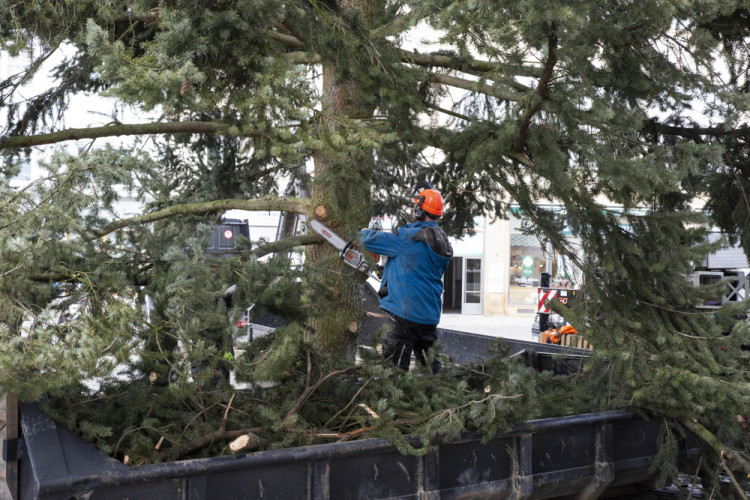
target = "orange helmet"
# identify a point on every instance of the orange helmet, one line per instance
(429, 201)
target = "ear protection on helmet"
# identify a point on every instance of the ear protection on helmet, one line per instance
(419, 213)
(429, 202)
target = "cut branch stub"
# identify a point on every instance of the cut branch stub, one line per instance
(321, 212)
(248, 441)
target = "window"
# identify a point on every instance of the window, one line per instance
(527, 262)
(473, 286)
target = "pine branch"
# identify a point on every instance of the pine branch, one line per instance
(351, 402)
(434, 139)
(303, 57)
(542, 92)
(399, 24)
(72, 134)
(475, 86)
(475, 66)
(288, 40)
(452, 113)
(295, 205)
(696, 133)
(733, 480)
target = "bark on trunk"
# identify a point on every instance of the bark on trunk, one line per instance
(342, 187)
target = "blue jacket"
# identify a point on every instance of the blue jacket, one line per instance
(418, 255)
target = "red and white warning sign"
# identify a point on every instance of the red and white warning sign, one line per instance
(228, 234)
(547, 294)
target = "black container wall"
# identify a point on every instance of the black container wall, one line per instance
(581, 454)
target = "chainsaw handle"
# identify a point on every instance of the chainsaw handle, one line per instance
(350, 245)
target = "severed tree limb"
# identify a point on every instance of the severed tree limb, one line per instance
(220, 434)
(296, 205)
(72, 134)
(737, 487)
(346, 436)
(208, 440)
(286, 244)
(711, 440)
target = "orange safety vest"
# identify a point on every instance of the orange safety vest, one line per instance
(552, 336)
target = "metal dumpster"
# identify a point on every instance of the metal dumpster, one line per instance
(585, 455)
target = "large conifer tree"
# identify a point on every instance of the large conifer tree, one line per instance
(642, 105)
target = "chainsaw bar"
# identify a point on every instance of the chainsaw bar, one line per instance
(347, 252)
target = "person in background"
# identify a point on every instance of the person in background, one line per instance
(412, 285)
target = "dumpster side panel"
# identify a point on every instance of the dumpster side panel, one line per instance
(282, 481)
(464, 464)
(376, 475)
(569, 448)
(163, 490)
(635, 439)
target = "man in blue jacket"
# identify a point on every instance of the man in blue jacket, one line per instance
(412, 284)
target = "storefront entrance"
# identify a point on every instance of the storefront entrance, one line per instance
(463, 286)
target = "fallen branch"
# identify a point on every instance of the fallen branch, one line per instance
(247, 442)
(737, 487)
(220, 434)
(209, 439)
(711, 440)
(349, 403)
(339, 435)
(309, 390)
(344, 436)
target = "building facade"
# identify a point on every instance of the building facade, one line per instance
(497, 270)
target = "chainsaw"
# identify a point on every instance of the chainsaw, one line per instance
(347, 250)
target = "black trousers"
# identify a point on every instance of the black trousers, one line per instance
(406, 337)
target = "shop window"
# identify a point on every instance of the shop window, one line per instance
(527, 262)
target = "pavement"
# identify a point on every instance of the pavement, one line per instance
(509, 327)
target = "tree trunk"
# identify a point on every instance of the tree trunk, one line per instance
(341, 199)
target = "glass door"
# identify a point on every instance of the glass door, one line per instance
(472, 296)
